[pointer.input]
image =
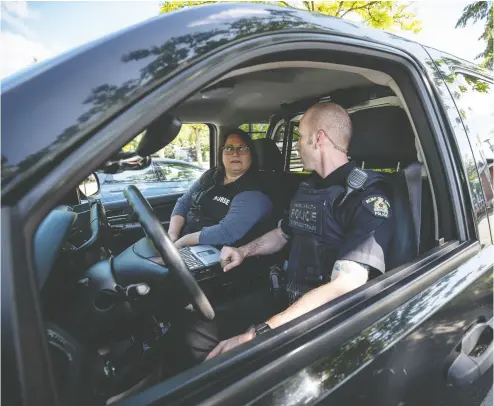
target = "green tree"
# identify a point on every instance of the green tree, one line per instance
(192, 137)
(385, 15)
(480, 11)
(132, 145)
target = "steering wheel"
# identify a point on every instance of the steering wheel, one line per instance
(169, 253)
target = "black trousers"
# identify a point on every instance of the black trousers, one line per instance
(193, 337)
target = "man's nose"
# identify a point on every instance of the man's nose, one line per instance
(236, 152)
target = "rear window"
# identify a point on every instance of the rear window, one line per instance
(255, 130)
(295, 161)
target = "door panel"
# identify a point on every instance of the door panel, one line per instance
(402, 359)
(391, 352)
(414, 370)
(126, 228)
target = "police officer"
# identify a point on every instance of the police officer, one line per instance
(339, 225)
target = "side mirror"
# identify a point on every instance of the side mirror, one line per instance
(90, 186)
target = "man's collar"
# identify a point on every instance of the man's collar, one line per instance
(337, 177)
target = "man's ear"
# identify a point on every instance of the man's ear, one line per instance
(319, 142)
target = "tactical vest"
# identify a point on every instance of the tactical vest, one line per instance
(317, 235)
(212, 200)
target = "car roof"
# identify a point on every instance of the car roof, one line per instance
(86, 87)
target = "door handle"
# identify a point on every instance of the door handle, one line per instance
(122, 216)
(474, 355)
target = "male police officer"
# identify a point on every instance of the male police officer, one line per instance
(339, 224)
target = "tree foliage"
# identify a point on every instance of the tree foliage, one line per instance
(385, 15)
(480, 11)
(192, 140)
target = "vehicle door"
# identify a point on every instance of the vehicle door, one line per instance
(413, 355)
(339, 352)
(443, 357)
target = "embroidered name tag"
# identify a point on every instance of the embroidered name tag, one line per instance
(223, 200)
(306, 216)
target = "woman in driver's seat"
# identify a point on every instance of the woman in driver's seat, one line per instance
(227, 205)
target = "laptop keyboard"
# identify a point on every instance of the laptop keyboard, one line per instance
(190, 260)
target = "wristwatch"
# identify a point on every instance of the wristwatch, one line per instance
(262, 328)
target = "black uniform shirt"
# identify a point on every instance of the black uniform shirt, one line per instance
(366, 216)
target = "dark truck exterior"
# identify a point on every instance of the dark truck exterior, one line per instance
(394, 342)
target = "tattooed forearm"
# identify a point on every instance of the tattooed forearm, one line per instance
(350, 267)
(267, 244)
(347, 276)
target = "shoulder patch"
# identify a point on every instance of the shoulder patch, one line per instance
(378, 206)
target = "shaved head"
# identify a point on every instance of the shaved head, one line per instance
(332, 119)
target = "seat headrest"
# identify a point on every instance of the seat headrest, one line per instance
(382, 137)
(269, 155)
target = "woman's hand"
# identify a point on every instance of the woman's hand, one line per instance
(180, 243)
(175, 227)
(173, 236)
(188, 240)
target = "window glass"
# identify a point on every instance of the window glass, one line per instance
(295, 161)
(476, 102)
(147, 175)
(476, 107)
(190, 145)
(278, 136)
(173, 172)
(255, 130)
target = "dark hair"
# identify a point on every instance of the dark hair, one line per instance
(254, 167)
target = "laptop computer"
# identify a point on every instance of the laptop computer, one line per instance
(200, 257)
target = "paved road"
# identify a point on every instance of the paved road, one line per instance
(488, 400)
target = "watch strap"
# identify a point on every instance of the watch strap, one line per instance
(261, 328)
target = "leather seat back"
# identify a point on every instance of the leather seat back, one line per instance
(272, 174)
(383, 138)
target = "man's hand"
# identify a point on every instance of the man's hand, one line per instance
(231, 257)
(231, 343)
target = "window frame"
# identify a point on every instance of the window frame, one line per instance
(485, 233)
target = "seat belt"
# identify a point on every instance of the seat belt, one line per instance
(413, 177)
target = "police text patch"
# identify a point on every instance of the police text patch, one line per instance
(306, 216)
(378, 206)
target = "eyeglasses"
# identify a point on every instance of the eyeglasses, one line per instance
(241, 149)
